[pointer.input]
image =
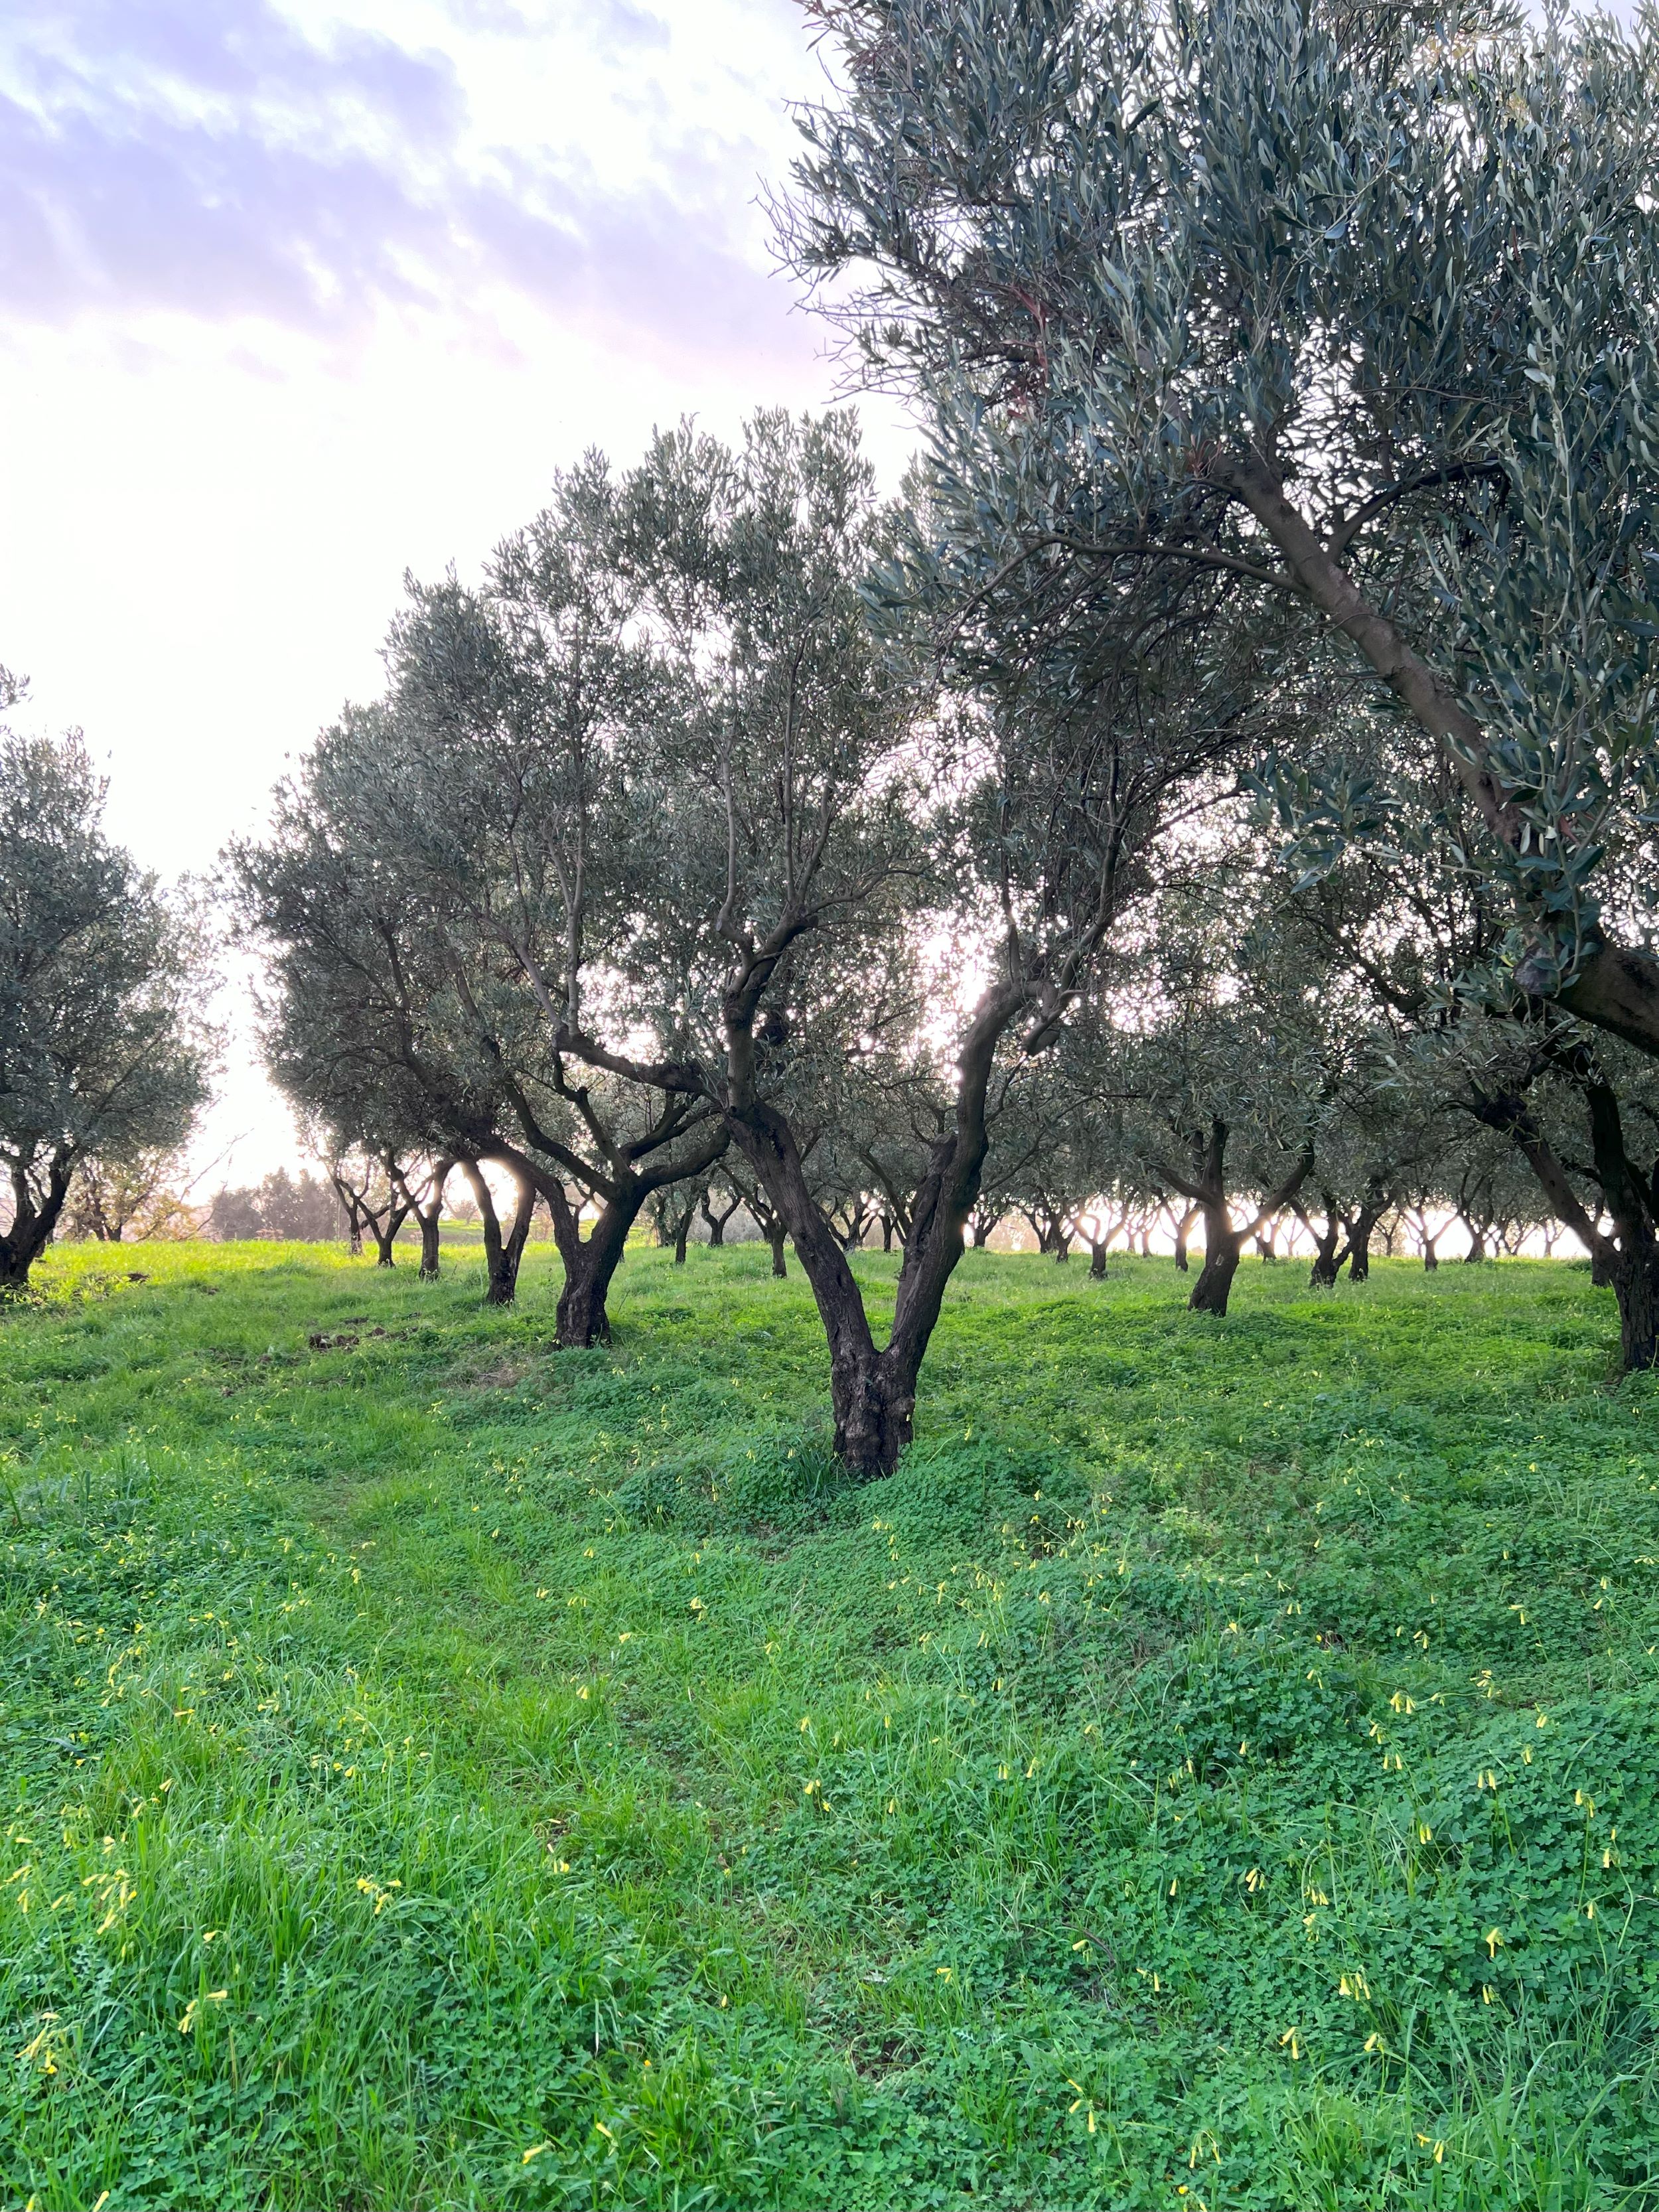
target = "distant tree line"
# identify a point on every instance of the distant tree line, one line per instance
(303, 1209)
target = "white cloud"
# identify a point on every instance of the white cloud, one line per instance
(299, 297)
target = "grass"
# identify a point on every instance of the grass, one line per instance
(1219, 1769)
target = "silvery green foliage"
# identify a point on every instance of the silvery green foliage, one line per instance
(102, 1049)
(1153, 266)
(361, 1026)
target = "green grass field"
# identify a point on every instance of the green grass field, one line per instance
(1220, 1769)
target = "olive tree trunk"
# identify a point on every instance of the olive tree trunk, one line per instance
(873, 1392)
(502, 1252)
(1205, 1188)
(34, 1222)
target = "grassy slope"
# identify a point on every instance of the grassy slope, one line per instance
(441, 1772)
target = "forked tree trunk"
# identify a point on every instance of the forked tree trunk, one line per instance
(1628, 1260)
(1322, 1274)
(352, 1209)
(886, 1232)
(581, 1318)
(717, 1222)
(681, 1227)
(776, 1238)
(428, 1211)
(1206, 1188)
(851, 1232)
(502, 1253)
(874, 1393)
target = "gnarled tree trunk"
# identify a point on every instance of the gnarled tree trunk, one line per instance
(1627, 1260)
(1222, 1245)
(581, 1318)
(717, 1221)
(874, 1393)
(502, 1253)
(1327, 1238)
(427, 1210)
(1205, 1187)
(34, 1221)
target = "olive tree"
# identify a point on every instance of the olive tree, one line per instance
(513, 793)
(832, 807)
(1356, 311)
(104, 1053)
(362, 1030)
(1220, 1064)
(1409, 930)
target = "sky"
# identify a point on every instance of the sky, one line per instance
(301, 295)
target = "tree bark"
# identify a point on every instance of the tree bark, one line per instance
(873, 1394)
(590, 1262)
(1205, 1189)
(1635, 1281)
(1359, 1245)
(581, 1318)
(428, 1211)
(1222, 1245)
(1627, 1261)
(1322, 1275)
(352, 1209)
(717, 1221)
(502, 1253)
(32, 1224)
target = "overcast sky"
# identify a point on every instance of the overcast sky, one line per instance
(304, 293)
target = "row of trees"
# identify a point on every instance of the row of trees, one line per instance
(1227, 773)
(1224, 780)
